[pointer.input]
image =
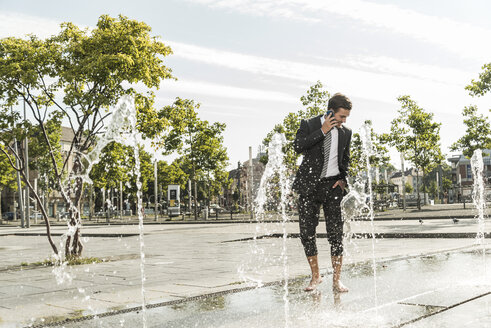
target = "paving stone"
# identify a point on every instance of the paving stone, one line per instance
(201, 265)
(473, 314)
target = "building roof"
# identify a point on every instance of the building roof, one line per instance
(461, 159)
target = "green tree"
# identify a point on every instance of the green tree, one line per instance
(79, 75)
(415, 135)
(409, 188)
(117, 164)
(7, 176)
(444, 172)
(39, 153)
(379, 154)
(477, 134)
(176, 172)
(431, 188)
(199, 143)
(482, 85)
(315, 103)
(446, 184)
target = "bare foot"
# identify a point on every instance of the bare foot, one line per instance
(313, 284)
(338, 287)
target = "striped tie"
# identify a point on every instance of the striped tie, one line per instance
(327, 152)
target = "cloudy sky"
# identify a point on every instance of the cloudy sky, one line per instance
(249, 61)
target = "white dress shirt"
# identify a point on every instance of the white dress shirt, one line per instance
(332, 166)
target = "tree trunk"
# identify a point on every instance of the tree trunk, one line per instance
(424, 187)
(195, 193)
(45, 216)
(74, 247)
(91, 202)
(195, 200)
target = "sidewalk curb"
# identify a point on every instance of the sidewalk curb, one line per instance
(388, 218)
(381, 235)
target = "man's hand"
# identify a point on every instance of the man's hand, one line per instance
(329, 123)
(340, 183)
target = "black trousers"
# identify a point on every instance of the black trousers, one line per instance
(308, 210)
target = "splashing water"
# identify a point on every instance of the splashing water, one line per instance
(272, 198)
(121, 129)
(354, 207)
(368, 151)
(479, 200)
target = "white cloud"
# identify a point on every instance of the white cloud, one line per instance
(437, 87)
(269, 8)
(376, 78)
(394, 66)
(460, 38)
(457, 37)
(224, 91)
(19, 25)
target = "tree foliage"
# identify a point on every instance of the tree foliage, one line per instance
(39, 153)
(477, 134)
(408, 188)
(117, 164)
(177, 172)
(414, 134)
(200, 145)
(78, 76)
(315, 103)
(482, 85)
(7, 173)
(379, 154)
(7, 176)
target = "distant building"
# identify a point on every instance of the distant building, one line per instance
(410, 175)
(241, 182)
(462, 178)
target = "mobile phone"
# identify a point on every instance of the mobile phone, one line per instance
(329, 112)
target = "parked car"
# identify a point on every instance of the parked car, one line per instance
(8, 216)
(101, 214)
(63, 215)
(214, 208)
(36, 216)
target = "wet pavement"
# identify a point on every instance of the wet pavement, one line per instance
(186, 261)
(427, 291)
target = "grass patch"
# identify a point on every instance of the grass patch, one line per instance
(236, 283)
(70, 261)
(77, 314)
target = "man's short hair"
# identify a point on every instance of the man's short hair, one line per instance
(339, 101)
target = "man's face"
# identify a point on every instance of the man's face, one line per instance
(341, 116)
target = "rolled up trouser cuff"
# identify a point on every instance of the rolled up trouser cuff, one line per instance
(309, 245)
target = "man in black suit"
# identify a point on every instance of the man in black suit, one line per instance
(321, 180)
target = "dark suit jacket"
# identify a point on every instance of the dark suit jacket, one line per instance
(309, 141)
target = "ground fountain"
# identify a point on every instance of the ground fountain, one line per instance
(121, 129)
(398, 291)
(271, 200)
(479, 201)
(478, 197)
(357, 205)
